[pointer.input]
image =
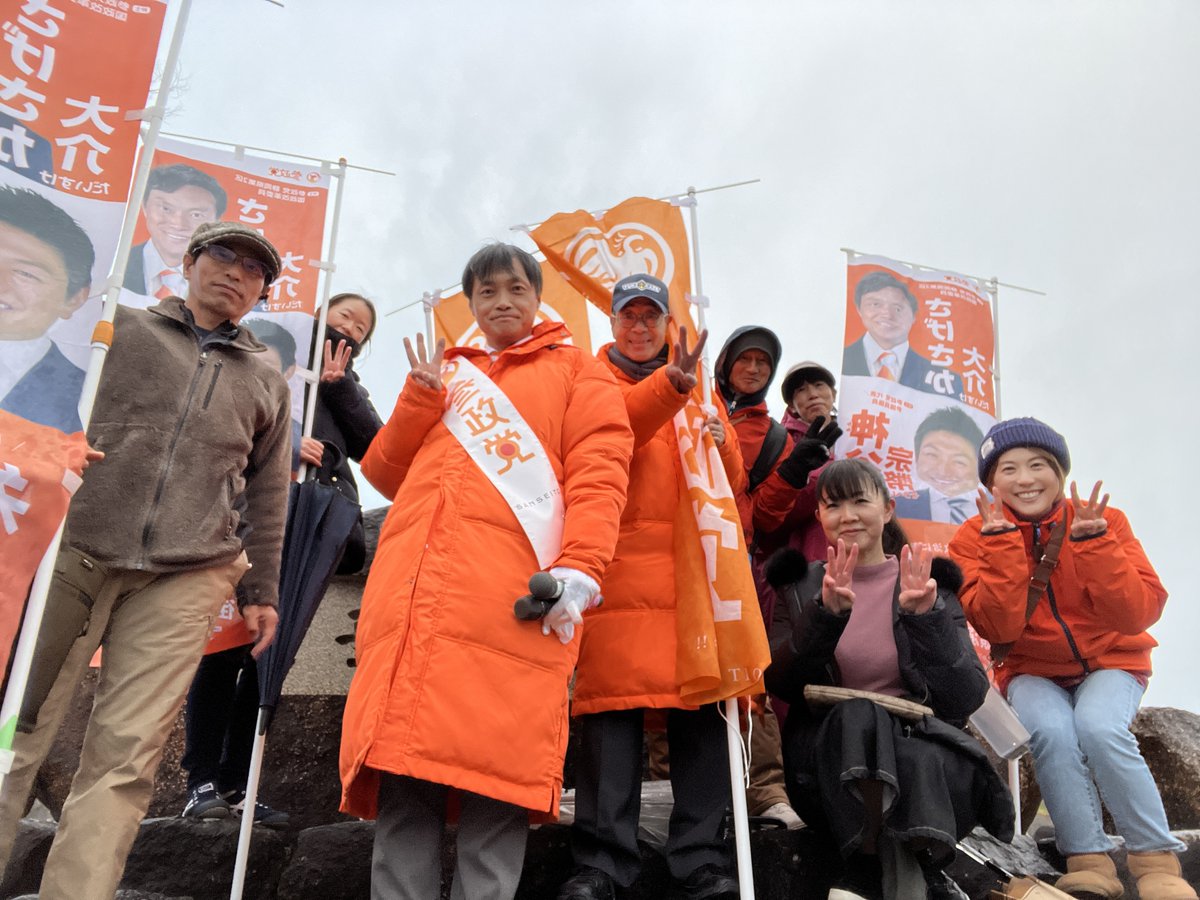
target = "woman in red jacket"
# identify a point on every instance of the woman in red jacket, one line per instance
(1074, 654)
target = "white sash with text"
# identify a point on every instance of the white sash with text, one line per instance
(508, 452)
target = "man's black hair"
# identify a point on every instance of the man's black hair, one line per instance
(953, 420)
(500, 258)
(169, 179)
(30, 212)
(276, 336)
(877, 281)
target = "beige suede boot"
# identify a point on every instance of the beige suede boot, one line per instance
(1159, 876)
(1091, 875)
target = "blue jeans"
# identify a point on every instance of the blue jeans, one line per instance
(1081, 741)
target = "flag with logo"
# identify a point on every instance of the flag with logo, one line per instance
(917, 392)
(40, 469)
(454, 322)
(721, 648)
(67, 149)
(638, 236)
(285, 201)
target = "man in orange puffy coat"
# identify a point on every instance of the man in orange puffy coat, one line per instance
(453, 697)
(627, 660)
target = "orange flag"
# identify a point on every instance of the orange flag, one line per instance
(40, 468)
(722, 647)
(453, 321)
(639, 236)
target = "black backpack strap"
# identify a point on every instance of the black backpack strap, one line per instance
(768, 454)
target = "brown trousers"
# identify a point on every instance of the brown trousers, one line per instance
(154, 630)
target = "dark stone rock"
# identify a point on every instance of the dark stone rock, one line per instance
(1170, 741)
(179, 857)
(332, 862)
(28, 858)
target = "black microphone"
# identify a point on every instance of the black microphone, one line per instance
(544, 590)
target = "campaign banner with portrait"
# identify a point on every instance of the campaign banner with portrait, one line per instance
(638, 236)
(917, 392)
(454, 322)
(68, 138)
(192, 183)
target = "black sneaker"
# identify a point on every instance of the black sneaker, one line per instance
(205, 803)
(263, 814)
(588, 883)
(709, 882)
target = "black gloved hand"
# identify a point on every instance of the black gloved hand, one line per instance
(810, 453)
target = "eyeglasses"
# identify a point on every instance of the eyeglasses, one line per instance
(628, 318)
(222, 254)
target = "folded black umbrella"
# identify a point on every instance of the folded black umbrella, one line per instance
(319, 521)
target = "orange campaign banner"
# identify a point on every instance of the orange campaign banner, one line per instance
(917, 392)
(639, 236)
(68, 137)
(454, 322)
(285, 201)
(40, 469)
(722, 648)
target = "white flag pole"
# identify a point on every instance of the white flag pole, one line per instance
(35, 608)
(313, 376)
(733, 734)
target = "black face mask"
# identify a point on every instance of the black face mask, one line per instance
(332, 334)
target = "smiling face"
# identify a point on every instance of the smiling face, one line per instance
(750, 372)
(351, 317)
(813, 399)
(505, 306)
(218, 291)
(1028, 481)
(172, 217)
(857, 519)
(33, 286)
(946, 462)
(887, 316)
(640, 329)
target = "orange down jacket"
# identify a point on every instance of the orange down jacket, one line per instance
(627, 656)
(1103, 595)
(450, 687)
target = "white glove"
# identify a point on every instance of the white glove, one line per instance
(579, 593)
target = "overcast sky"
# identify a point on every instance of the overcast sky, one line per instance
(1051, 144)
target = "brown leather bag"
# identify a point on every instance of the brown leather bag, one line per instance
(1038, 582)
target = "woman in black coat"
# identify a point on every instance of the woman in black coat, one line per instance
(893, 789)
(345, 422)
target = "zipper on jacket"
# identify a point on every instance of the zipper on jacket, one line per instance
(212, 385)
(1066, 631)
(148, 529)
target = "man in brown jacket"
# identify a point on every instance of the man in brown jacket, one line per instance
(195, 435)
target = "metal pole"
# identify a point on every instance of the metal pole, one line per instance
(992, 286)
(328, 267)
(243, 847)
(706, 384)
(101, 340)
(733, 734)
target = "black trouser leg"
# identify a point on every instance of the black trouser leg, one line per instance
(700, 784)
(608, 793)
(207, 714)
(239, 736)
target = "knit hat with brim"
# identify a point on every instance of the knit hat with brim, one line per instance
(1026, 432)
(804, 373)
(239, 236)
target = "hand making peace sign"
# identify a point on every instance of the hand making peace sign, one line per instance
(334, 367)
(682, 370)
(991, 510)
(837, 595)
(1089, 518)
(423, 370)
(918, 592)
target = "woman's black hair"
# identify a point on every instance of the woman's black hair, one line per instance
(845, 479)
(893, 537)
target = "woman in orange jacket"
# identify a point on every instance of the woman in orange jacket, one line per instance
(628, 656)
(453, 696)
(1073, 651)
